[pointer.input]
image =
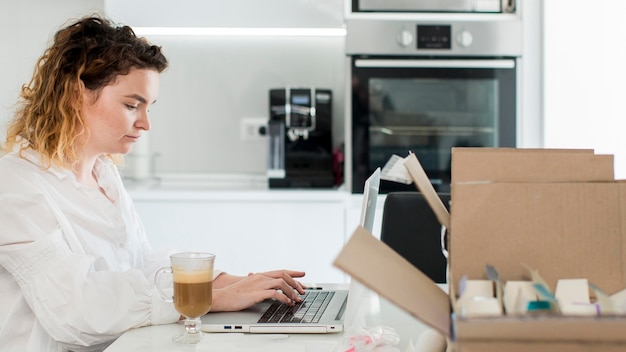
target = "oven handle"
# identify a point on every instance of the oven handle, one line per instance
(412, 63)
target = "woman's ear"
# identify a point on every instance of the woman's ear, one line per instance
(84, 94)
(79, 88)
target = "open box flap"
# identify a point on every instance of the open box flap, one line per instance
(423, 185)
(380, 268)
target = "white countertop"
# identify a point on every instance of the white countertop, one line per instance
(224, 187)
(371, 312)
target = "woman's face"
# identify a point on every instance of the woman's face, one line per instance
(119, 114)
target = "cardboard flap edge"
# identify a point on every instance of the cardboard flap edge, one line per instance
(381, 269)
(423, 185)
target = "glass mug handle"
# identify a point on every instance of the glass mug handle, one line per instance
(158, 277)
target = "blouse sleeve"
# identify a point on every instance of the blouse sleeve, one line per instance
(76, 305)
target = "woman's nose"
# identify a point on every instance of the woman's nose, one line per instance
(143, 122)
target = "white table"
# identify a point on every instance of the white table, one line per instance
(370, 311)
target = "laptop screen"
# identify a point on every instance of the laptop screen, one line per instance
(370, 195)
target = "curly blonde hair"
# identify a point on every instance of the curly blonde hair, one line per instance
(89, 53)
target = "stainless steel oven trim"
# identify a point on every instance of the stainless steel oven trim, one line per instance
(490, 64)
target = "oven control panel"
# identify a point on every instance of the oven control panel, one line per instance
(433, 37)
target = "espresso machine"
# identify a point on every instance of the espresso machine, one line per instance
(299, 138)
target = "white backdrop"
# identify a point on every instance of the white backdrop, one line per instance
(585, 76)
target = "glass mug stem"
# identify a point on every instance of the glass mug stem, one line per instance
(192, 275)
(193, 326)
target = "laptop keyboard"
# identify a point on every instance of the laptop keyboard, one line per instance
(310, 310)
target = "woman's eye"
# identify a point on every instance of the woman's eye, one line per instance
(131, 107)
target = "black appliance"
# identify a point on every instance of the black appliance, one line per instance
(300, 138)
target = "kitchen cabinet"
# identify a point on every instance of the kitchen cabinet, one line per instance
(253, 230)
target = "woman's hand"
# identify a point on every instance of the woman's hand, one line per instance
(244, 292)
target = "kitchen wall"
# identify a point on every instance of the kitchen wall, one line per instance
(217, 81)
(214, 83)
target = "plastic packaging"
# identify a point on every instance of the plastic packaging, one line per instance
(374, 339)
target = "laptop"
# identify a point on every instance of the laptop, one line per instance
(370, 196)
(322, 311)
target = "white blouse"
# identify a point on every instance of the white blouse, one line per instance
(76, 268)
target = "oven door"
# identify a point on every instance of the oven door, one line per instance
(428, 106)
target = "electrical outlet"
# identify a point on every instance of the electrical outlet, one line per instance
(251, 127)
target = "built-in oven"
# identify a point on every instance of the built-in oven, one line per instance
(426, 84)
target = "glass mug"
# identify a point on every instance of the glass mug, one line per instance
(192, 273)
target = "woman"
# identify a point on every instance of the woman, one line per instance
(76, 269)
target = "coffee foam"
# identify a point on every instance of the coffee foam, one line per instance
(193, 277)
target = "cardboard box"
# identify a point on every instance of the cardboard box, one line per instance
(558, 211)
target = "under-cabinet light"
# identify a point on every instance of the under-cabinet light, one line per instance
(239, 31)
